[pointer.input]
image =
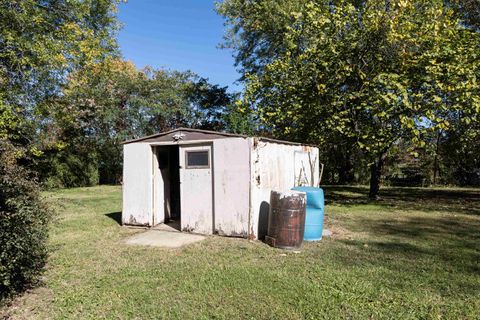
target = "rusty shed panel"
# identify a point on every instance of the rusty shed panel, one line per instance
(231, 186)
(277, 166)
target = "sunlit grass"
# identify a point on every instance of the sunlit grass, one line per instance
(414, 254)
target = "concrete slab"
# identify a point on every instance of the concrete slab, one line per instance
(326, 233)
(165, 239)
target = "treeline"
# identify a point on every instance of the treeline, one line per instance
(106, 103)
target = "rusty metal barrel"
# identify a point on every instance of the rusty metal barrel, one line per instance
(286, 219)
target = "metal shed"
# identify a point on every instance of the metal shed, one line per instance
(210, 182)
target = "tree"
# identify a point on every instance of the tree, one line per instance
(209, 105)
(459, 150)
(369, 73)
(106, 103)
(41, 42)
(212, 107)
(102, 105)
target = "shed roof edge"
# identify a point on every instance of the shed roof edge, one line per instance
(226, 134)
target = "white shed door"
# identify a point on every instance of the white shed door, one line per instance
(196, 188)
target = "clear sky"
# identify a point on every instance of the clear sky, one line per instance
(177, 34)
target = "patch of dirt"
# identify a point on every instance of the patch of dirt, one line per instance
(26, 305)
(339, 232)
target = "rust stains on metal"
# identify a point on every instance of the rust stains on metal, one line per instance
(133, 222)
(306, 148)
(242, 234)
(188, 229)
(255, 143)
(251, 234)
(286, 221)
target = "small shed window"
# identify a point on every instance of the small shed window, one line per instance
(198, 159)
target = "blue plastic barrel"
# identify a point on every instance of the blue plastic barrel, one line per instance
(315, 213)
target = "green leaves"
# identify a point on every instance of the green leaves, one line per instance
(24, 222)
(366, 75)
(376, 77)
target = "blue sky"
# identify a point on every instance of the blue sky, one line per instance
(177, 34)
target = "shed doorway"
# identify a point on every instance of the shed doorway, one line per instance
(167, 186)
(183, 187)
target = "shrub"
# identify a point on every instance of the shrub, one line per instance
(24, 222)
(67, 170)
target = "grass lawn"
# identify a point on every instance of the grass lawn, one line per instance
(414, 254)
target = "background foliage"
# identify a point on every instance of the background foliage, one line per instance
(23, 224)
(364, 80)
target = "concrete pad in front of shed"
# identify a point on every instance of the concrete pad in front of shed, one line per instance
(164, 239)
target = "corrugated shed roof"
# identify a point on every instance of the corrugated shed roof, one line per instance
(208, 133)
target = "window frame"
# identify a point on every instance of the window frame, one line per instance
(207, 166)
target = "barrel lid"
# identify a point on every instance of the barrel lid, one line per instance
(307, 188)
(288, 193)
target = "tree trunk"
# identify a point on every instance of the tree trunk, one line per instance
(435, 160)
(375, 175)
(346, 174)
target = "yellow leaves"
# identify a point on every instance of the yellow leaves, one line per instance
(377, 79)
(403, 3)
(60, 57)
(60, 145)
(321, 87)
(71, 30)
(240, 106)
(296, 15)
(35, 151)
(382, 114)
(362, 74)
(400, 6)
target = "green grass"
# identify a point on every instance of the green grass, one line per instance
(413, 255)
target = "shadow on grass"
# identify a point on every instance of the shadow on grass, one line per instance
(447, 243)
(441, 240)
(115, 216)
(424, 199)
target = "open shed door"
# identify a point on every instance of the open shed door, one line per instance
(196, 188)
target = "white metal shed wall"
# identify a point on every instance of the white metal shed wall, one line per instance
(231, 163)
(137, 184)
